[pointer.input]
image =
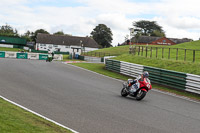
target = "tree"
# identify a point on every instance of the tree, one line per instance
(148, 28)
(27, 36)
(7, 30)
(59, 33)
(158, 33)
(33, 37)
(102, 35)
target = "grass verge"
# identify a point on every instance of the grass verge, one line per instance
(100, 68)
(16, 120)
(11, 49)
(179, 66)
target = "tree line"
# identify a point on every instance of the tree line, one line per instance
(101, 33)
(7, 30)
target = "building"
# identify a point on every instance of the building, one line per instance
(151, 40)
(12, 42)
(65, 43)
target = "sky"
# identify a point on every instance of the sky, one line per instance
(178, 18)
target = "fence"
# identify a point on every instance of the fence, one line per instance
(166, 53)
(178, 80)
(96, 54)
(91, 59)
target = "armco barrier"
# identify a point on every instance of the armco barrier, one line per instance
(131, 69)
(167, 77)
(113, 65)
(183, 81)
(2, 54)
(193, 83)
(93, 59)
(80, 57)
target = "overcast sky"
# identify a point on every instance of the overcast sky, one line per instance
(179, 18)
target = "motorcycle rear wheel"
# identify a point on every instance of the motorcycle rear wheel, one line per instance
(124, 92)
(140, 95)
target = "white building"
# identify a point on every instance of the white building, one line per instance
(65, 43)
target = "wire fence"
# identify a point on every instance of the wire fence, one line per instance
(166, 53)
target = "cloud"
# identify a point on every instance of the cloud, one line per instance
(179, 18)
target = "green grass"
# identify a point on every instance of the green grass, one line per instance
(171, 64)
(114, 51)
(100, 68)
(180, 66)
(16, 120)
(10, 49)
(195, 45)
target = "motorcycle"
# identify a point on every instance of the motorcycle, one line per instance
(137, 90)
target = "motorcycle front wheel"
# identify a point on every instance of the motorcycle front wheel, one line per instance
(140, 95)
(124, 92)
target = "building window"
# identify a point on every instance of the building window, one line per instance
(67, 46)
(42, 44)
(164, 41)
(55, 45)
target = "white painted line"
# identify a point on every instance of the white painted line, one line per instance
(38, 114)
(166, 93)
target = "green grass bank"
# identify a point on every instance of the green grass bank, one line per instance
(16, 120)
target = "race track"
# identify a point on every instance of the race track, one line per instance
(91, 103)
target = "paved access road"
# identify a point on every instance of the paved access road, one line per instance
(91, 103)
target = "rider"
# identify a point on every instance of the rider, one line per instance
(145, 74)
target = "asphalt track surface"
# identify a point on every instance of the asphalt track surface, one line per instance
(91, 103)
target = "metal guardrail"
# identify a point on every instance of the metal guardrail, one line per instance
(131, 69)
(167, 77)
(183, 81)
(193, 83)
(92, 59)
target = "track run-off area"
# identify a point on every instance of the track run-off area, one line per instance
(91, 103)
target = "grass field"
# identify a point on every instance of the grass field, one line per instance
(10, 49)
(16, 120)
(116, 51)
(180, 66)
(164, 63)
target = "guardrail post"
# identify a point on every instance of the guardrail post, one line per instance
(162, 52)
(151, 53)
(169, 54)
(177, 54)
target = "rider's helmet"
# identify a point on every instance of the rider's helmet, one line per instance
(145, 74)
